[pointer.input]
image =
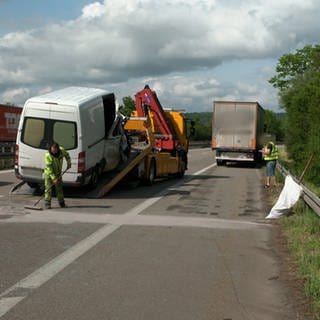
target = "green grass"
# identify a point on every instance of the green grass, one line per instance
(302, 230)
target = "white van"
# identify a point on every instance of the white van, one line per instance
(82, 120)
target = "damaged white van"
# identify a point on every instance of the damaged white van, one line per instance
(84, 121)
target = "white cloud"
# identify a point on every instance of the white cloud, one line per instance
(93, 10)
(118, 42)
(15, 94)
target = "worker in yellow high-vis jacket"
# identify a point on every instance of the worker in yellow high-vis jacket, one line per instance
(53, 173)
(270, 155)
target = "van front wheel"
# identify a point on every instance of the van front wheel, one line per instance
(33, 185)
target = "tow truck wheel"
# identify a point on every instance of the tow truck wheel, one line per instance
(182, 170)
(94, 178)
(220, 162)
(152, 172)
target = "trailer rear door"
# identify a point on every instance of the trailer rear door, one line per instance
(234, 125)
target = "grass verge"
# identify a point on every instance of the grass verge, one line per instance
(302, 230)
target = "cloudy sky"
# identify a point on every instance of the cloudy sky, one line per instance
(191, 52)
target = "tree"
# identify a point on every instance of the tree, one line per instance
(128, 106)
(293, 65)
(298, 81)
(202, 125)
(274, 124)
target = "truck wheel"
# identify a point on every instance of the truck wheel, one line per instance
(182, 170)
(220, 162)
(152, 172)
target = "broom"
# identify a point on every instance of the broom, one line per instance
(34, 207)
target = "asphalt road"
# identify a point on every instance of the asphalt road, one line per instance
(191, 248)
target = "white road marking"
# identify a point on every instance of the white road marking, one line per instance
(8, 303)
(53, 267)
(11, 297)
(68, 217)
(6, 171)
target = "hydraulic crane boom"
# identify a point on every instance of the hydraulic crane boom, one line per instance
(147, 104)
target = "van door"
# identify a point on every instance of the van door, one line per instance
(36, 136)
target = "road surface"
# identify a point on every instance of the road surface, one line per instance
(189, 249)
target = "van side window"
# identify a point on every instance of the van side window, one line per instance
(65, 134)
(33, 132)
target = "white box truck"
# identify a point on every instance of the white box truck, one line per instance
(82, 120)
(237, 131)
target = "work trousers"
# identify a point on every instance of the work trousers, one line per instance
(271, 168)
(48, 184)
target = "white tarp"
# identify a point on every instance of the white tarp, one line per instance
(289, 195)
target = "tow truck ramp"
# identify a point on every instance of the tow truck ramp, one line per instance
(137, 153)
(106, 184)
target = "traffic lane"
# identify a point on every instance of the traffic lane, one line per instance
(119, 200)
(25, 247)
(233, 192)
(222, 225)
(166, 273)
(199, 158)
(99, 213)
(25, 240)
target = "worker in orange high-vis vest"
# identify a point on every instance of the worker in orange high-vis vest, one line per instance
(53, 173)
(270, 155)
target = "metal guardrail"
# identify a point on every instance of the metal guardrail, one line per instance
(199, 144)
(310, 198)
(7, 151)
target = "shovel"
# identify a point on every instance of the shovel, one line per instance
(35, 207)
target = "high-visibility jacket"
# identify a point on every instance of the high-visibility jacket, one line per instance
(274, 152)
(53, 163)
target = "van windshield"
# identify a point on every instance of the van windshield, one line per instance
(39, 133)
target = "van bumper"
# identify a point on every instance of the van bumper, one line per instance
(80, 180)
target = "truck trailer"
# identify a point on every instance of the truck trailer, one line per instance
(9, 121)
(237, 131)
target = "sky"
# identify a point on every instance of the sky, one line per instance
(190, 52)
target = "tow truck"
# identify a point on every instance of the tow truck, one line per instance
(158, 141)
